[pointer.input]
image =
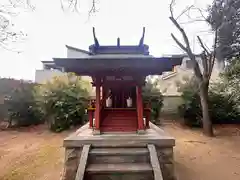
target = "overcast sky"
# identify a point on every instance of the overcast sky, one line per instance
(49, 29)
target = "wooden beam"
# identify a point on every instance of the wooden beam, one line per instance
(155, 162)
(83, 162)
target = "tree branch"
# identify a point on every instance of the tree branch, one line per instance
(184, 11)
(203, 46)
(200, 11)
(179, 43)
(93, 8)
(205, 64)
(183, 34)
(192, 21)
(7, 34)
(171, 7)
(214, 53)
(187, 47)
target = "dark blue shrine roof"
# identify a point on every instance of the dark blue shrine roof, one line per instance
(119, 58)
(126, 65)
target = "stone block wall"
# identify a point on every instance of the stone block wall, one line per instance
(166, 160)
(71, 162)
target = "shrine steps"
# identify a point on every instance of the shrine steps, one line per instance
(130, 163)
(119, 155)
(120, 171)
(119, 120)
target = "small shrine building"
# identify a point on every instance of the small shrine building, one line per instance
(118, 73)
(119, 142)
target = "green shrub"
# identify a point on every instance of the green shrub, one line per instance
(7, 85)
(190, 110)
(63, 101)
(21, 106)
(151, 94)
(222, 108)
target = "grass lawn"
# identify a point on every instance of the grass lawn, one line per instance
(36, 154)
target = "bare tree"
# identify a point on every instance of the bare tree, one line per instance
(208, 60)
(7, 33)
(75, 5)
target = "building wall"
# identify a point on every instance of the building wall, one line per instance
(168, 83)
(44, 75)
(171, 104)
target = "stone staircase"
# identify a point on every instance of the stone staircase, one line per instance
(117, 163)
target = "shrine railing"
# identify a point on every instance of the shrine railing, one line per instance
(91, 110)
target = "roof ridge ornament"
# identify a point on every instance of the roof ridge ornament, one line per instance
(142, 38)
(95, 38)
(118, 42)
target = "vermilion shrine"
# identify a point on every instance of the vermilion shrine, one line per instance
(119, 141)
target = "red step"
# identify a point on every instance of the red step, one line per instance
(111, 129)
(118, 120)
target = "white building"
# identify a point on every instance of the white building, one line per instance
(47, 72)
(168, 82)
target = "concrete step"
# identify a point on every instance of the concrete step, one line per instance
(120, 176)
(121, 151)
(119, 155)
(115, 163)
(119, 168)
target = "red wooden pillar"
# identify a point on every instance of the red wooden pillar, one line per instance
(139, 108)
(98, 105)
(148, 116)
(103, 96)
(90, 118)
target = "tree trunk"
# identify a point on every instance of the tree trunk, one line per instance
(207, 123)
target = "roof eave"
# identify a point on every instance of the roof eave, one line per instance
(79, 50)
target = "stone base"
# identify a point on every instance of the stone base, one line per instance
(96, 132)
(163, 143)
(141, 131)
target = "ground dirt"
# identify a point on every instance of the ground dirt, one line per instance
(36, 154)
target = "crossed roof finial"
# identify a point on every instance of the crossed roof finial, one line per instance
(95, 38)
(142, 38)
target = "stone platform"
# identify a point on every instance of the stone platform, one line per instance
(84, 136)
